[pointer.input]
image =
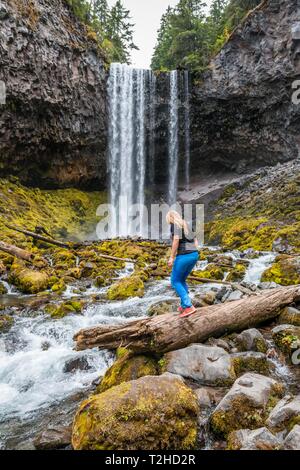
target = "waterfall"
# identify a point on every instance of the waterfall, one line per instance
(173, 138)
(127, 155)
(136, 99)
(187, 131)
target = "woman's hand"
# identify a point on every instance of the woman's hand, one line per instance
(171, 262)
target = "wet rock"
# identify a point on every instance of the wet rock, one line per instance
(208, 365)
(219, 342)
(72, 306)
(267, 285)
(80, 363)
(292, 440)
(132, 286)
(209, 396)
(3, 289)
(54, 437)
(286, 338)
(251, 340)
(6, 322)
(259, 439)
(160, 308)
(237, 273)
(151, 413)
(285, 414)
(289, 316)
(285, 271)
(235, 295)
(251, 361)
(27, 280)
(247, 404)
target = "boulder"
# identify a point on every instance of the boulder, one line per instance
(290, 316)
(151, 413)
(54, 437)
(6, 322)
(259, 439)
(285, 414)
(127, 368)
(247, 404)
(251, 340)
(132, 286)
(251, 361)
(219, 342)
(159, 308)
(235, 295)
(285, 271)
(209, 396)
(27, 280)
(79, 363)
(237, 273)
(60, 310)
(292, 440)
(208, 365)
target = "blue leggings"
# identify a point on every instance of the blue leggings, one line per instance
(182, 267)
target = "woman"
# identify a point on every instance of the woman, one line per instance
(184, 257)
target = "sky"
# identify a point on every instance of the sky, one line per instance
(146, 15)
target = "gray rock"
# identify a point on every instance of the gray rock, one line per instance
(285, 412)
(259, 439)
(208, 365)
(292, 440)
(246, 404)
(287, 338)
(235, 295)
(290, 315)
(219, 342)
(267, 285)
(251, 361)
(251, 340)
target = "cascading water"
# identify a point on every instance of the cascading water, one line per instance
(187, 130)
(173, 138)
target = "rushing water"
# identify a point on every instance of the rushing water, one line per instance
(187, 130)
(173, 138)
(257, 266)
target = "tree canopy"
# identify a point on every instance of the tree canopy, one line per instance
(188, 37)
(111, 27)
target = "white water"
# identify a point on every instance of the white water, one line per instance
(187, 130)
(173, 139)
(257, 266)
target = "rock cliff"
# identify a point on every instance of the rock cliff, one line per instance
(242, 114)
(53, 126)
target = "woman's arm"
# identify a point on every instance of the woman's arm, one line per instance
(175, 246)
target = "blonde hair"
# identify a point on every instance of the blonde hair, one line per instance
(175, 218)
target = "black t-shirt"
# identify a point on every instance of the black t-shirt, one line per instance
(186, 244)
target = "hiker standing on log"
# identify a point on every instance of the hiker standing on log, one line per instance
(183, 259)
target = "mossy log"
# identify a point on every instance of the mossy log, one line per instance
(15, 251)
(170, 332)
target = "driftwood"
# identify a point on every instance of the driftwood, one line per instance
(204, 280)
(169, 332)
(37, 236)
(15, 251)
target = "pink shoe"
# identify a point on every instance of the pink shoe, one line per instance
(180, 309)
(187, 312)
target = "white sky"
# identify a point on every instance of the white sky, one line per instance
(146, 15)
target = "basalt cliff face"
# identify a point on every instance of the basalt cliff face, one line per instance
(53, 128)
(242, 114)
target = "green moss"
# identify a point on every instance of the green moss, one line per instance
(6, 322)
(28, 280)
(285, 271)
(248, 363)
(127, 368)
(237, 273)
(212, 271)
(64, 309)
(3, 289)
(127, 287)
(151, 413)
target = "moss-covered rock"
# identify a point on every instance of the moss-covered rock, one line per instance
(285, 271)
(247, 404)
(61, 310)
(28, 280)
(251, 340)
(289, 316)
(251, 361)
(237, 273)
(286, 338)
(127, 287)
(6, 322)
(151, 413)
(160, 308)
(212, 271)
(3, 289)
(127, 368)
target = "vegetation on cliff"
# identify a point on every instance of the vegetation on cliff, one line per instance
(188, 37)
(110, 27)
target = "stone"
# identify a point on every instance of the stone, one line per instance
(54, 437)
(27, 280)
(80, 363)
(208, 365)
(251, 340)
(251, 361)
(219, 342)
(286, 338)
(160, 308)
(267, 285)
(151, 413)
(292, 440)
(3, 289)
(235, 295)
(127, 287)
(285, 414)
(247, 404)
(6, 322)
(290, 316)
(259, 439)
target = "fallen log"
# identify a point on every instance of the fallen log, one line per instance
(169, 332)
(15, 251)
(37, 236)
(204, 280)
